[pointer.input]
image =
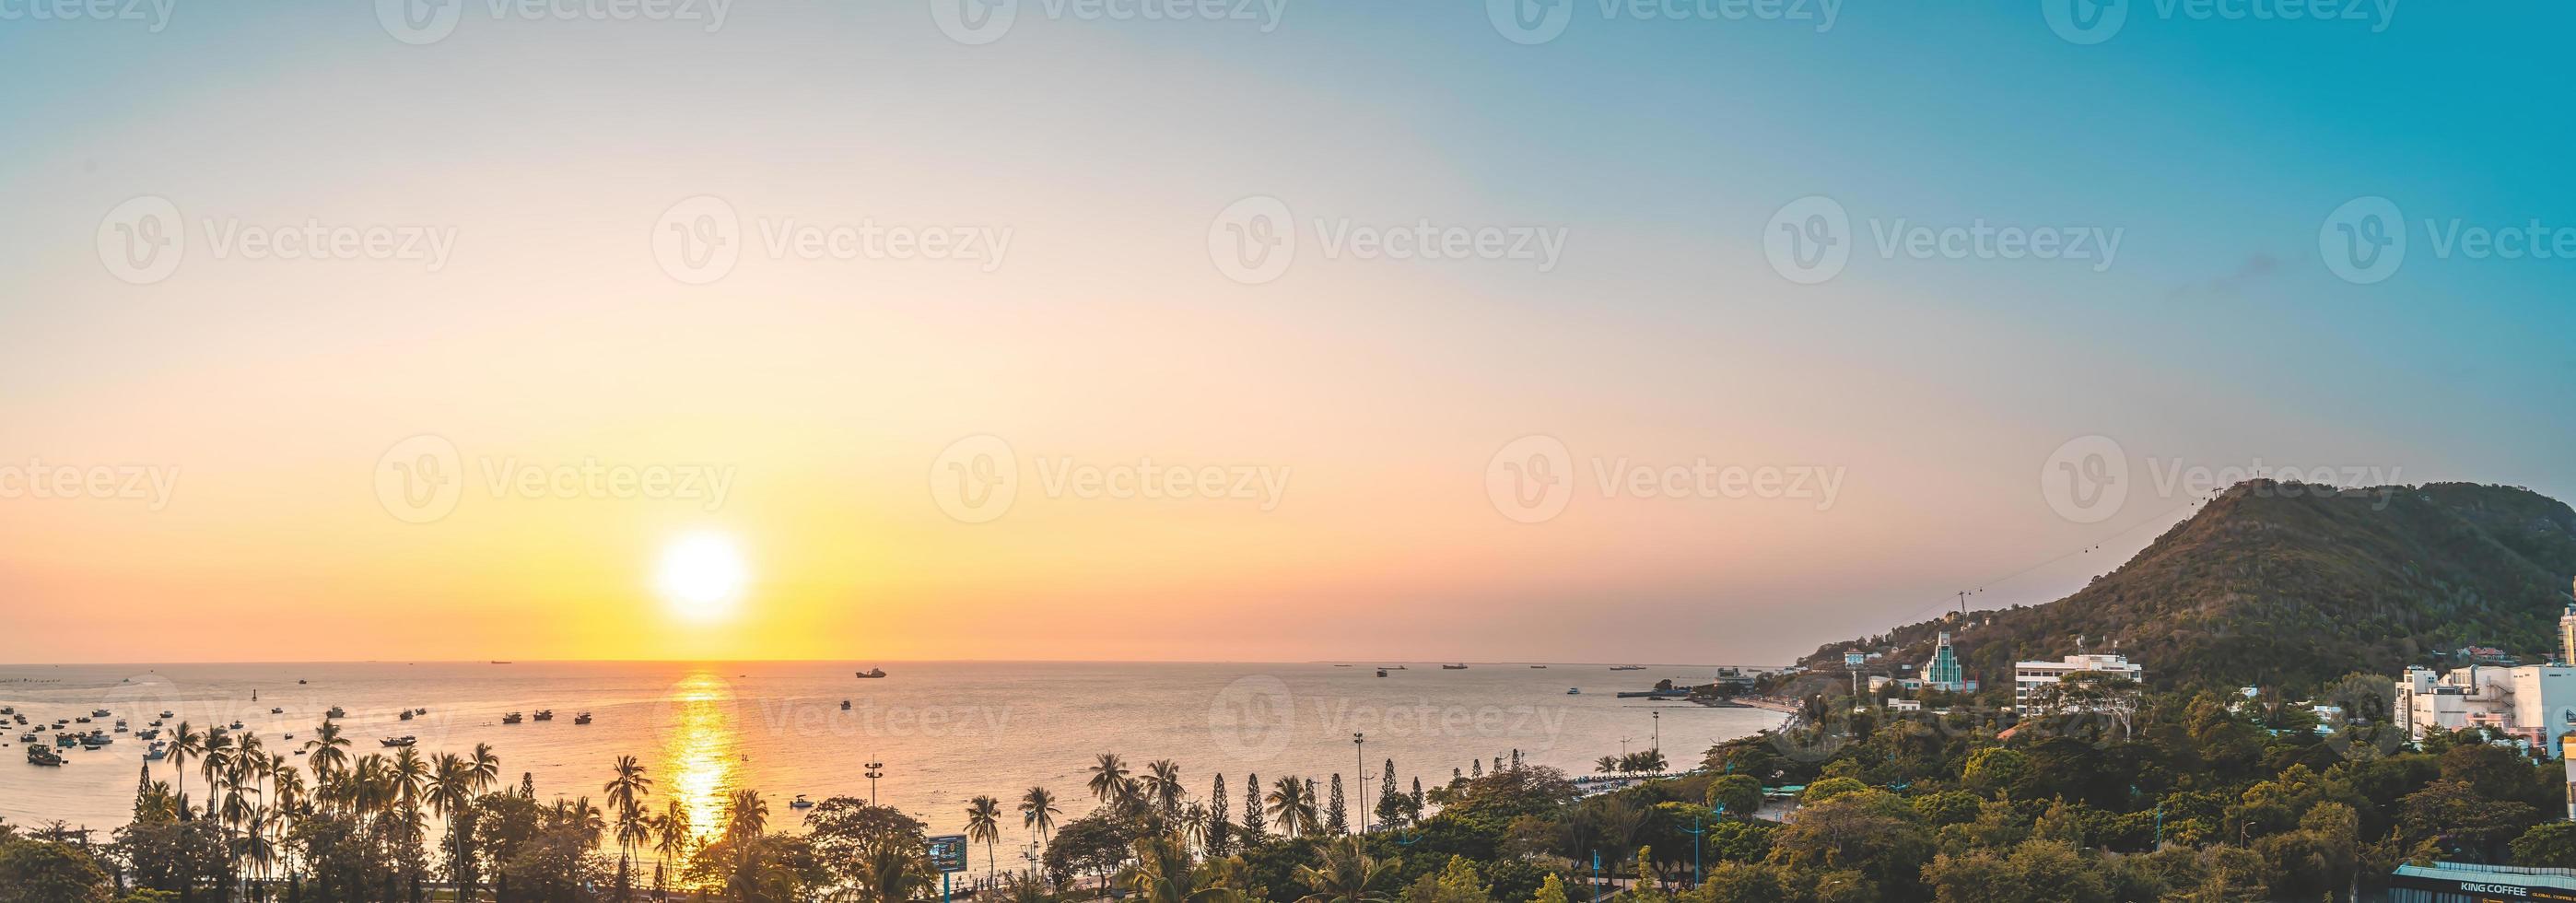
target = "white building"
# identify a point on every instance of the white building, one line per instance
(2535, 704)
(2038, 680)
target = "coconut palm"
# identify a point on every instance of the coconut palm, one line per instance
(1038, 811)
(1109, 782)
(749, 815)
(1292, 806)
(451, 790)
(185, 744)
(626, 793)
(1161, 786)
(670, 841)
(1162, 873)
(487, 768)
(328, 750)
(984, 823)
(1345, 874)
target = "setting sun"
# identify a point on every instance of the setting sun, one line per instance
(702, 577)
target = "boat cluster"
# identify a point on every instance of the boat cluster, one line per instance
(68, 737)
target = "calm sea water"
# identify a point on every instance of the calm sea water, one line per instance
(945, 731)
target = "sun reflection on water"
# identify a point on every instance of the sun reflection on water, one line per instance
(699, 750)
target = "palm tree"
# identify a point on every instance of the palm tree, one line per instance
(626, 793)
(1291, 806)
(487, 768)
(1162, 786)
(1109, 779)
(1161, 873)
(451, 789)
(185, 744)
(670, 841)
(750, 815)
(328, 750)
(1347, 874)
(1038, 811)
(984, 823)
(1606, 764)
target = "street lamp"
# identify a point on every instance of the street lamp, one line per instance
(875, 770)
(1360, 742)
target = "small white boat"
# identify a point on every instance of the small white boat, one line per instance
(801, 803)
(404, 740)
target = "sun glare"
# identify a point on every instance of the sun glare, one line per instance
(703, 577)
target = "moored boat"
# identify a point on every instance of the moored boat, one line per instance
(545, 714)
(404, 740)
(512, 718)
(872, 672)
(583, 718)
(336, 712)
(801, 803)
(40, 755)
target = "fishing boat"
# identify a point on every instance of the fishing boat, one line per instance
(1457, 667)
(66, 741)
(545, 714)
(1381, 672)
(100, 713)
(95, 741)
(1574, 691)
(801, 803)
(845, 705)
(335, 712)
(300, 682)
(120, 726)
(236, 725)
(166, 713)
(404, 740)
(1539, 667)
(273, 710)
(406, 715)
(873, 672)
(583, 718)
(156, 752)
(84, 719)
(39, 755)
(26, 738)
(512, 718)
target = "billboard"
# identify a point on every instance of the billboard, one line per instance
(948, 852)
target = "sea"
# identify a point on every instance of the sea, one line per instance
(938, 733)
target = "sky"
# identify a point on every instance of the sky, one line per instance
(1584, 331)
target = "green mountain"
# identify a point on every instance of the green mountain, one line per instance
(2294, 585)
